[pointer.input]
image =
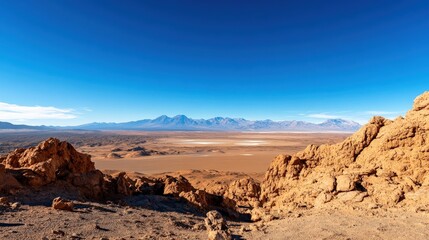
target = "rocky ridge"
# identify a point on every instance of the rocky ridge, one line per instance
(56, 165)
(384, 164)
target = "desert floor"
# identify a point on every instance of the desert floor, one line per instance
(101, 221)
(234, 152)
(206, 159)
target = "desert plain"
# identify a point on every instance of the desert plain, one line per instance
(157, 153)
(208, 160)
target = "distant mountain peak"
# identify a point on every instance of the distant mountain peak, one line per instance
(184, 123)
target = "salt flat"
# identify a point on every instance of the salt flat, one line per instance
(223, 151)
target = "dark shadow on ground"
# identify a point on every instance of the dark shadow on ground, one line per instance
(11, 224)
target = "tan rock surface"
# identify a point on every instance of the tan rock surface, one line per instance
(216, 226)
(245, 192)
(386, 162)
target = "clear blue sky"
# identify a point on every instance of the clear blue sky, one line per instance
(84, 61)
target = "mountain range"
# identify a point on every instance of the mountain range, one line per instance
(183, 123)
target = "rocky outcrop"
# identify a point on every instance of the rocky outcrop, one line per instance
(175, 186)
(47, 162)
(119, 184)
(245, 192)
(180, 187)
(57, 164)
(216, 226)
(385, 163)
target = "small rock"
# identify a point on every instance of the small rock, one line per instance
(58, 232)
(216, 226)
(75, 236)
(15, 205)
(100, 228)
(62, 204)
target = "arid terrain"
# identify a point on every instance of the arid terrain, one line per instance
(372, 184)
(159, 152)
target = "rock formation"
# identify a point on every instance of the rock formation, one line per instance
(216, 226)
(47, 162)
(56, 163)
(245, 192)
(385, 163)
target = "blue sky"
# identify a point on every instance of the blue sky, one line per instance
(83, 61)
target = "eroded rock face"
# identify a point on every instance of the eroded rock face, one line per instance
(180, 187)
(7, 182)
(175, 186)
(216, 226)
(386, 162)
(48, 161)
(245, 192)
(51, 161)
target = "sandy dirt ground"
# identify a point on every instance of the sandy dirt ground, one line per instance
(237, 152)
(172, 221)
(345, 224)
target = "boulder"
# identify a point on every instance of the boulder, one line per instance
(345, 183)
(47, 162)
(174, 186)
(62, 204)
(216, 226)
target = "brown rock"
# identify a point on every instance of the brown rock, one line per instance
(216, 226)
(125, 185)
(385, 161)
(258, 214)
(8, 183)
(62, 204)
(245, 192)
(48, 161)
(174, 186)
